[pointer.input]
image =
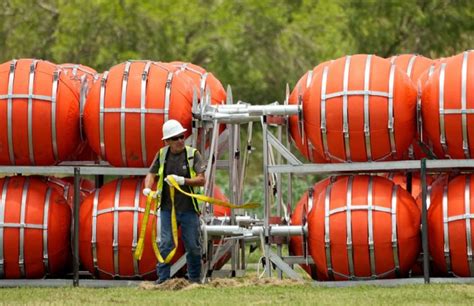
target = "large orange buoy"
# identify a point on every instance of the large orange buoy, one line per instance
(400, 178)
(360, 108)
(65, 187)
(220, 211)
(299, 216)
(446, 105)
(202, 81)
(110, 224)
(300, 139)
(127, 107)
(83, 78)
(364, 227)
(451, 224)
(80, 76)
(35, 229)
(439, 182)
(39, 113)
(414, 66)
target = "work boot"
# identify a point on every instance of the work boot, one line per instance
(194, 281)
(160, 281)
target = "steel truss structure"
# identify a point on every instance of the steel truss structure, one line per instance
(278, 160)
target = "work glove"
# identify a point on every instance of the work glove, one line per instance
(177, 178)
(146, 191)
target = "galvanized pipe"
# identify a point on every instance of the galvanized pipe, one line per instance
(242, 113)
(235, 230)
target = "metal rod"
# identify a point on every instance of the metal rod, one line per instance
(424, 224)
(267, 210)
(273, 230)
(77, 183)
(279, 196)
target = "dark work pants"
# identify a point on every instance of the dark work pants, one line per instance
(190, 234)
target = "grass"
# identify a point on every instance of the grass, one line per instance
(258, 294)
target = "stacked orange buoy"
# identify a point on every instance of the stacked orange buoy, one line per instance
(202, 80)
(359, 108)
(400, 178)
(34, 236)
(39, 113)
(65, 187)
(364, 227)
(110, 223)
(297, 245)
(83, 78)
(450, 226)
(297, 132)
(126, 109)
(414, 66)
(447, 102)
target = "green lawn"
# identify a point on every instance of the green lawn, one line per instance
(233, 292)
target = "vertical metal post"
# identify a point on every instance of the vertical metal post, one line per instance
(99, 181)
(231, 128)
(236, 170)
(279, 197)
(77, 176)
(409, 182)
(210, 178)
(424, 224)
(267, 210)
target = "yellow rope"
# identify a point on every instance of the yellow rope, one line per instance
(174, 225)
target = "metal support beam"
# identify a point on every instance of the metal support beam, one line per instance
(424, 224)
(77, 184)
(283, 266)
(181, 262)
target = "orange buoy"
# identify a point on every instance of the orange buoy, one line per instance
(360, 108)
(80, 76)
(299, 216)
(65, 187)
(220, 211)
(35, 229)
(414, 66)
(446, 106)
(127, 107)
(83, 78)
(400, 178)
(439, 182)
(39, 113)
(299, 137)
(110, 224)
(202, 81)
(364, 227)
(450, 225)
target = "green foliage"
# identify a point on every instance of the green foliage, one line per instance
(256, 46)
(432, 28)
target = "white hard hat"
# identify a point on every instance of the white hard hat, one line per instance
(172, 128)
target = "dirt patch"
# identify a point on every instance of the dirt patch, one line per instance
(275, 281)
(223, 283)
(172, 284)
(182, 284)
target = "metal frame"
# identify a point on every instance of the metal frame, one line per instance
(244, 228)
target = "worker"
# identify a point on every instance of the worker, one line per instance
(187, 167)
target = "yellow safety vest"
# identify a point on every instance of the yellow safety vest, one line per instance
(192, 173)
